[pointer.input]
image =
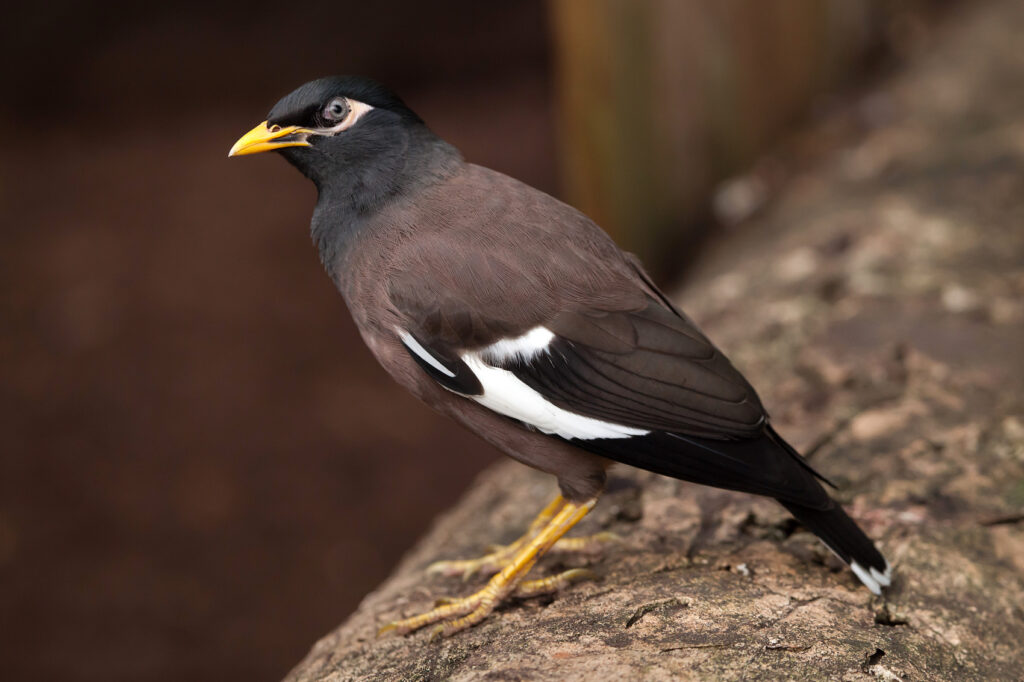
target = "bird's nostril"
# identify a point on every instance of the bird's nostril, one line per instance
(274, 128)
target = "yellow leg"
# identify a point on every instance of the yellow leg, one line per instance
(464, 613)
(501, 555)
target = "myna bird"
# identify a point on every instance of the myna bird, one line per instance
(518, 317)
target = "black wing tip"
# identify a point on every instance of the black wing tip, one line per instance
(757, 466)
(781, 442)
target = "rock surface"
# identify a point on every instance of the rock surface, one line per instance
(878, 304)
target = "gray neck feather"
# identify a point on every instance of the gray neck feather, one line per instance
(354, 191)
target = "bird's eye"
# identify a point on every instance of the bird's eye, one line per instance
(337, 109)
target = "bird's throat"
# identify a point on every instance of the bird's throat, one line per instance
(354, 195)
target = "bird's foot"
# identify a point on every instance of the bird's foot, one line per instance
(500, 556)
(492, 562)
(588, 544)
(554, 583)
(535, 588)
(466, 612)
(460, 614)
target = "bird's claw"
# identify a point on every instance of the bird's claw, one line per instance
(459, 614)
(499, 556)
(534, 588)
(492, 562)
(590, 544)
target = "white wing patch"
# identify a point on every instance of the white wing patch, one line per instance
(525, 347)
(505, 394)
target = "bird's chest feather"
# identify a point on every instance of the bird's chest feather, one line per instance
(361, 274)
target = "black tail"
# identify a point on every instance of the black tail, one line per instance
(764, 466)
(844, 537)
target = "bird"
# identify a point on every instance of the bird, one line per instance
(517, 316)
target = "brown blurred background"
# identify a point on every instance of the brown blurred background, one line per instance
(201, 468)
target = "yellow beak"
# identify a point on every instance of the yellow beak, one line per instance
(264, 138)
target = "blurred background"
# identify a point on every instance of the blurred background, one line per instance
(201, 468)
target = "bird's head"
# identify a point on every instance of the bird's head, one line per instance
(335, 124)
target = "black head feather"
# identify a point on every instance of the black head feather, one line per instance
(388, 153)
(301, 106)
